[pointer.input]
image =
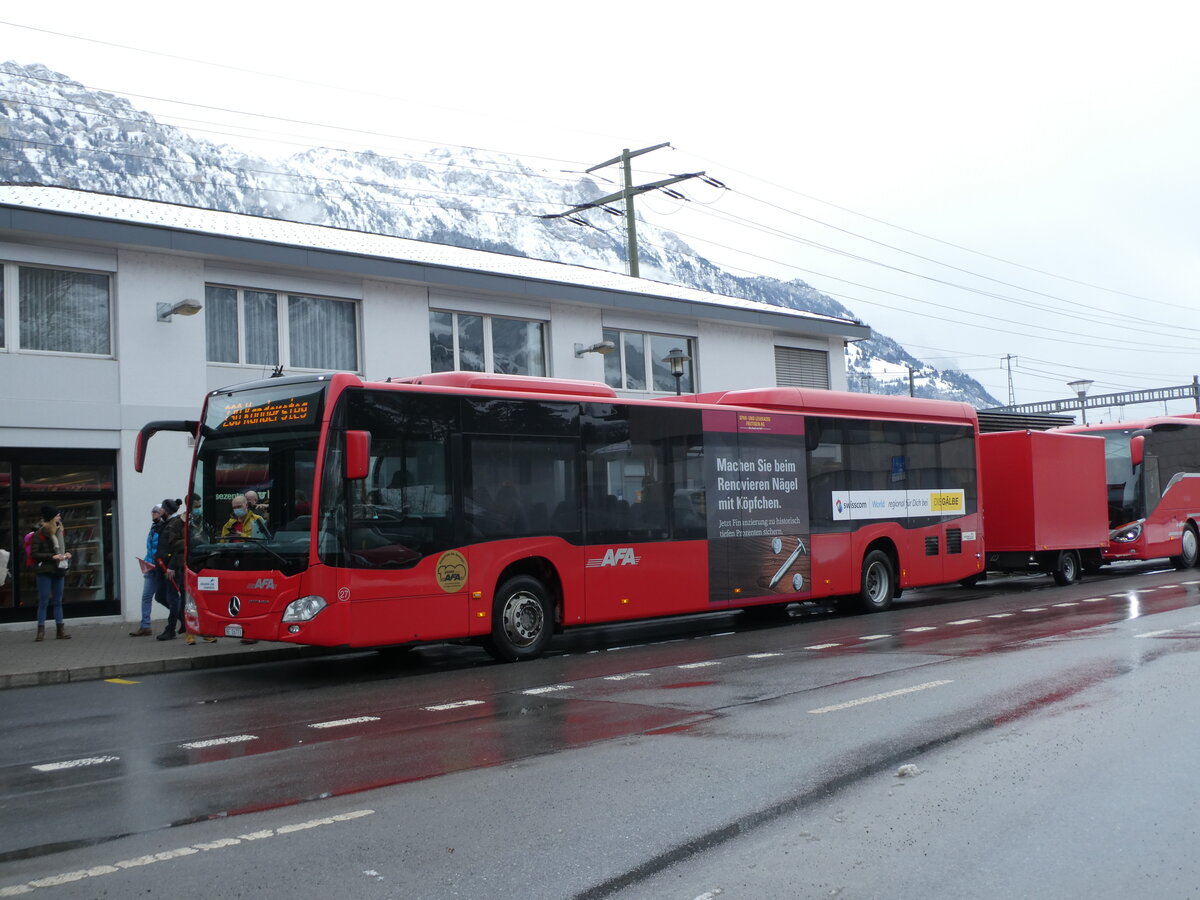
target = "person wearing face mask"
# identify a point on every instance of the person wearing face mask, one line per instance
(243, 523)
(152, 579)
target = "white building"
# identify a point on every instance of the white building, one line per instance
(87, 356)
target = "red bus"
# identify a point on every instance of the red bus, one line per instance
(504, 508)
(1153, 475)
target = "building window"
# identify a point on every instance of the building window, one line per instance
(801, 368)
(471, 343)
(62, 311)
(261, 328)
(637, 363)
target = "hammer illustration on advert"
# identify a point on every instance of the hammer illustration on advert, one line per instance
(775, 579)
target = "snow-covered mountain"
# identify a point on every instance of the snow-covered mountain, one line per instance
(58, 132)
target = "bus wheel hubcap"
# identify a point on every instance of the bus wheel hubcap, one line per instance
(523, 618)
(876, 584)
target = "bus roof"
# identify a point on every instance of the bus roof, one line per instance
(1135, 425)
(842, 403)
(811, 401)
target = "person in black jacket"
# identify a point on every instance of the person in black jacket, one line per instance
(50, 556)
(170, 560)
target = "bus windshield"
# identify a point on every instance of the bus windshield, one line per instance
(1126, 501)
(254, 477)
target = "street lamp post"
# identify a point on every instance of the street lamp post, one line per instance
(1080, 388)
(676, 359)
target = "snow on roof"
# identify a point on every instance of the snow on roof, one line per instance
(323, 237)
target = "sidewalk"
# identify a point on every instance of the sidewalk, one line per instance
(106, 650)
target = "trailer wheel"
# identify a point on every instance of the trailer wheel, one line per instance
(1190, 550)
(878, 582)
(522, 620)
(1066, 568)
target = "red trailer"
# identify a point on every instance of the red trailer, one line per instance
(1044, 501)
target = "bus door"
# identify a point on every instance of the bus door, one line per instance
(408, 576)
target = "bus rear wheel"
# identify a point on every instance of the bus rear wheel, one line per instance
(522, 620)
(1189, 551)
(878, 586)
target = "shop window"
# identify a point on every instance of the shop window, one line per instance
(80, 484)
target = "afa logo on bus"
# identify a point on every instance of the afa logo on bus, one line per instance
(615, 556)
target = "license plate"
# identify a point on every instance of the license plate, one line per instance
(233, 631)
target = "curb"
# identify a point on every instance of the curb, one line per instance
(158, 666)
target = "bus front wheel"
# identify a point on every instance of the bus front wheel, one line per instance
(522, 620)
(878, 584)
(1189, 551)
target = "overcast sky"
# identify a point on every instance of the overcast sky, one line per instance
(974, 180)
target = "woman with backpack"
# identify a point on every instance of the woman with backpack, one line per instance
(48, 547)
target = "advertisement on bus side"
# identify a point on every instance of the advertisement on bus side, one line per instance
(757, 508)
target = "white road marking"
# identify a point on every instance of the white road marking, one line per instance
(338, 723)
(549, 689)
(964, 622)
(1035, 609)
(626, 675)
(699, 665)
(29, 887)
(874, 698)
(1093, 600)
(76, 763)
(822, 646)
(1122, 594)
(217, 742)
(923, 628)
(762, 655)
(999, 615)
(874, 637)
(1146, 634)
(1068, 603)
(1189, 582)
(458, 704)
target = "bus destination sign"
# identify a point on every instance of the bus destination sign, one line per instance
(235, 414)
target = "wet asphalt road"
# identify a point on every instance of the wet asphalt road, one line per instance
(1053, 730)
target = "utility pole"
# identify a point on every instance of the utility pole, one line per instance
(627, 193)
(1008, 360)
(911, 387)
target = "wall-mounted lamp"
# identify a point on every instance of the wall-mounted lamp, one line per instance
(600, 347)
(182, 308)
(676, 359)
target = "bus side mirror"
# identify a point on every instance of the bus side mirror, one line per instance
(1137, 449)
(139, 452)
(358, 455)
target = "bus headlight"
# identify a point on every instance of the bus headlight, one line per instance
(1128, 534)
(304, 609)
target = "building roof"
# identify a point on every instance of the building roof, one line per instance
(82, 215)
